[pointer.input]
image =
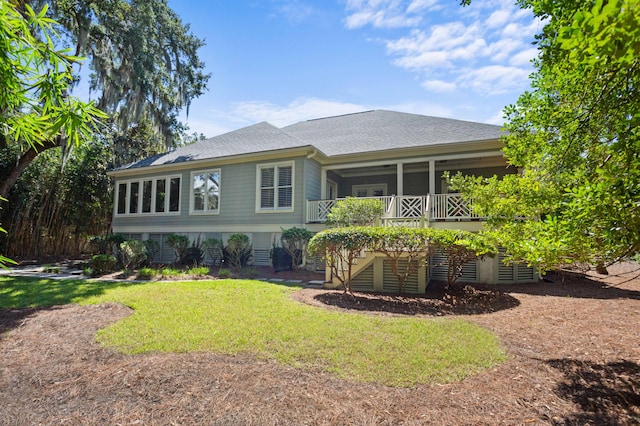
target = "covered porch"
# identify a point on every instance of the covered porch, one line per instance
(412, 190)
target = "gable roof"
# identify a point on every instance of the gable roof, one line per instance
(368, 131)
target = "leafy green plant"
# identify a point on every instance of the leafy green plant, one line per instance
(238, 251)
(224, 273)
(102, 264)
(461, 247)
(179, 244)
(341, 247)
(170, 272)
(353, 211)
(199, 271)
(407, 249)
(134, 253)
(295, 241)
(213, 248)
(153, 247)
(147, 273)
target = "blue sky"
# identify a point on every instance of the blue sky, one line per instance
(284, 61)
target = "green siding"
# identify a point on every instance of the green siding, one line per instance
(237, 201)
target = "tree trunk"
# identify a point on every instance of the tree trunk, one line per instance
(21, 165)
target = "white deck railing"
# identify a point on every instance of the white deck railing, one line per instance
(405, 208)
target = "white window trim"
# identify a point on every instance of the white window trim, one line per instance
(191, 199)
(275, 209)
(153, 179)
(368, 186)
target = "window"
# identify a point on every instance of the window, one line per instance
(147, 187)
(275, 187)
(205, 191)
(148, 196)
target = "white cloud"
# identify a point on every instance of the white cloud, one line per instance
(439, 86)
(523, 58)
(494, 80)
(387, 13)
(298, 110)
(486, 48)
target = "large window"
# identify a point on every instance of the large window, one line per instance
(148, 196)
(275, 187)
(205, 191)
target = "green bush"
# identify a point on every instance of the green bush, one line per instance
(103, 264)
(153, 247)
(199, 271)
(353, 211)
(134, 253)
(213, 248)
(147, 273)
(179, 244)
(238, 251)
(224, 273)
(295, 241)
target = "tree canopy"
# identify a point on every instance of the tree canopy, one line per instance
(574, 137)
(144, 60)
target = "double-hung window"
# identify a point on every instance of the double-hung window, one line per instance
(275, 187)
(205, 191)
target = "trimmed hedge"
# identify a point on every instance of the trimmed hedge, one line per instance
(342, 246)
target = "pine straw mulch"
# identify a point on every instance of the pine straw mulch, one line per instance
(574, 358)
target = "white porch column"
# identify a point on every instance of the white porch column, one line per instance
(400, 177)
(323, 183)
(432, 176)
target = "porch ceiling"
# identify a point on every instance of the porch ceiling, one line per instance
(417, 167)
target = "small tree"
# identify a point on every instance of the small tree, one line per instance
(353, 211)
(134, 253)
(213, 248)
(401, 245)
(461, 247)
(239, 250)
(295, 241)
(153, 247)
(341, 247)
(180, 244)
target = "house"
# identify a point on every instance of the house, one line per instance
(261, 179)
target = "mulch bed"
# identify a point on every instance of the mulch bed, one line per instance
(573, 344)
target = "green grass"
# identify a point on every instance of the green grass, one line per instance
(253, 317)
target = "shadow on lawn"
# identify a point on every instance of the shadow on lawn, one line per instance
(606, 393)
(21, 297)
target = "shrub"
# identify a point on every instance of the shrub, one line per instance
(249, 272)
(407, 249)
(147, 273)
(238, 251)
(201, 270)
(179, 244)
(341, 247)
(295, 241)
(134, 253)
(102, 264)
(170, 272)
(153, 247)
(193, 255)
(353, 211)
(281, 260)
(224, 273)
(213, 248)
(461, 247)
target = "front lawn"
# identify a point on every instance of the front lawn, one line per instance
(254, 317)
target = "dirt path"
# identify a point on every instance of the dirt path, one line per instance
(574, 359)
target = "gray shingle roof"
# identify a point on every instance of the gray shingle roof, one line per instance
(368, 131)
(384, 130)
